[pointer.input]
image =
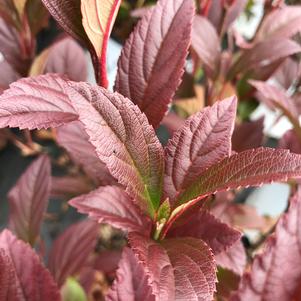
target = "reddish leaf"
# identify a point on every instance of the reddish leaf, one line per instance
(65, 57)
(233, 259)
(123, 140)
(74, 139)
(71, 250)
(98, 19)
(36, 103)
(152, 61)
(203, 225)
(290, 141)
(251, 129)
(110, 204)
(107, 261)
(7, 76)
(131, 281)
(194, 268)
(288, 23)
(276, 98)
(156, 264)
(249, 168)
(204, 140)
(208, 50)
(275, 273)
(31, 280)
(264, 54)
(28, 200)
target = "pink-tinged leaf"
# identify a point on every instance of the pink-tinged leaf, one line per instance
(123, 140)
(232, 12)
(276, 98)
(275, 273)
(7, 76)
(28, 200)
(233, 259)
(157, 266)
(31, 280)
(194, 269)
(71, 250)
(131, 281)
(290, 141)
(172, 122)
(288, 23)
(107, 261)
(35, 103)
(251, 129)
(75, 140)
(203, 225)
(98, 19)
(111, 204)
(288, 72)
(204, 140)
(208, 50)
(69, 186)
(152, 60)
(65, 57)
(249, 168)
(10, 48)
(264, 54)
(8, 290)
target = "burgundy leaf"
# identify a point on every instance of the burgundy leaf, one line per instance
(203, 225)
(208, 50)
(194, 268)
(123, 140)
(288, 23)
(65, 57)
(276, 98)
(131, 281)
(10, 48)
(249, 168)
(251, 129)
(28, 279)
(172, 122)
(107, 261)
(204, 140)
(152, 60)
(71, 250)
(28, 200)
(290, 141)
(110, 204)
(75, 140)
(156, 264)
(35, 103)
(7, 75)
(264, 54)
(233, 259)
(275, 273)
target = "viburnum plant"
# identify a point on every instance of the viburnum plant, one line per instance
(160, 197)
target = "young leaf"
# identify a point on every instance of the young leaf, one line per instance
(208, 50)
(275, 273)
(35, 103)
(194, 268)
(28, 200)
(233, 259)
(123, 140)
(204, 140)
(98, 20)
(290, 141)
(288, 23)
(74, 139)
(263, 54)
(65, 57)
(157, 266)
(71, 250)
(249, 168)
(110, 204)
(152, 60)
(203, 225)
(31, 280)
(131, 281)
